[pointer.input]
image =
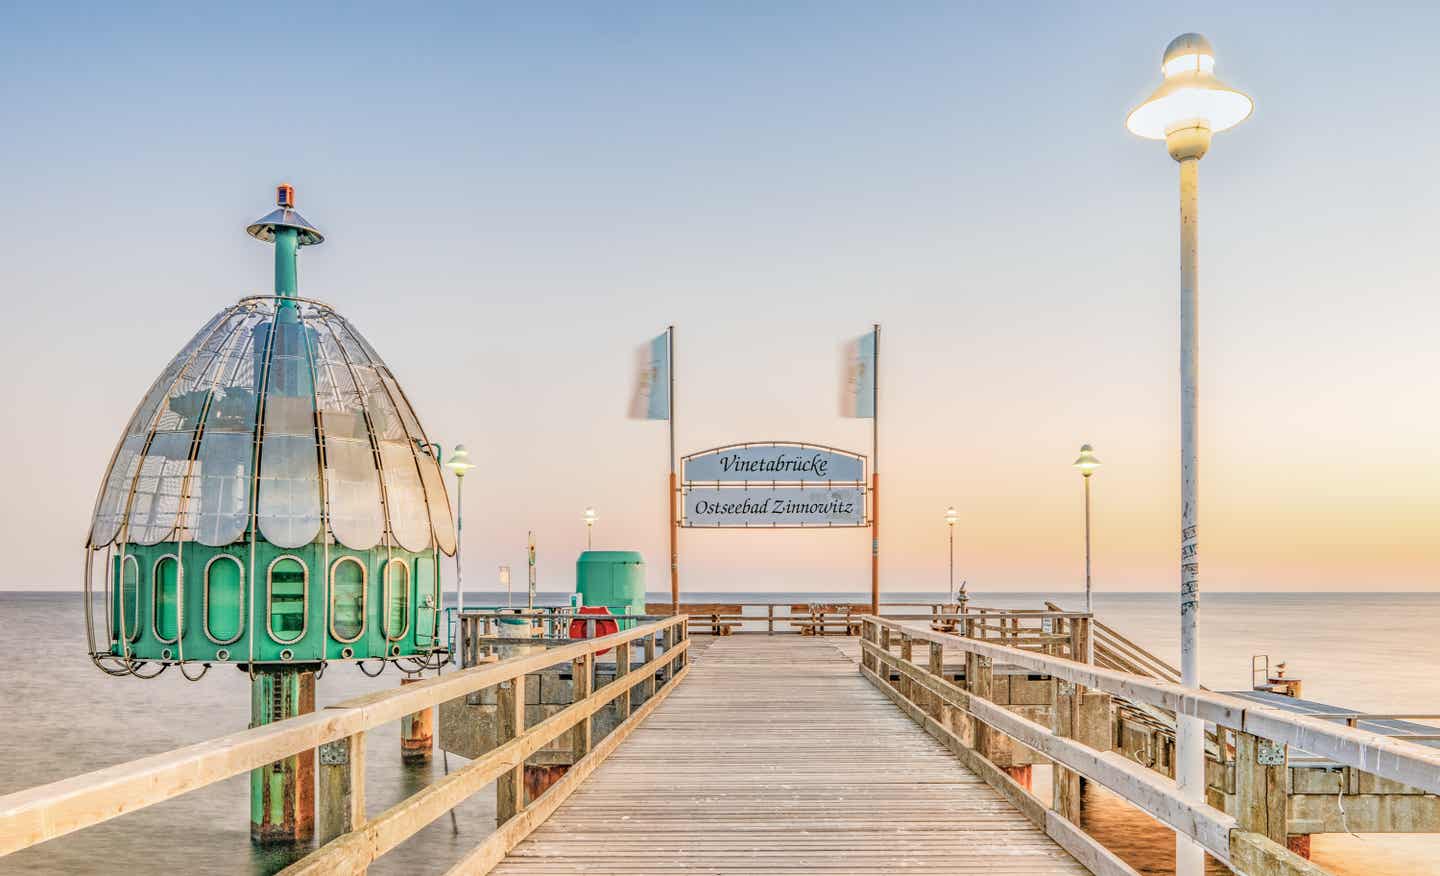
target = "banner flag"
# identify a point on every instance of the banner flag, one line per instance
(651, 399)
(857, 377)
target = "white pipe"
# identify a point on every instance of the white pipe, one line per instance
(1190, 731)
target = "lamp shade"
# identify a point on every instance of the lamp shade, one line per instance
(1190, 96)
(951, 516)
(1088, 462)
(460, 461)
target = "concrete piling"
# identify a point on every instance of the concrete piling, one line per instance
(282, 794)
(417, 732)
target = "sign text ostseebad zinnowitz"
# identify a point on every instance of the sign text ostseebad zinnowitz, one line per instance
(775, 506)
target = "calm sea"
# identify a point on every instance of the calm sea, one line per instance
(62, 717)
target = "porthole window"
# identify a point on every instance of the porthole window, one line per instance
(397, 599)
(347, 599)
(165, 595)
(127, 620)
(224, 603)
(288, 583)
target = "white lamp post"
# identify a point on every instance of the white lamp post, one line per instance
(951, 518)
(590, 518)
(1187, 108)
(459, 463)
(1087, 463)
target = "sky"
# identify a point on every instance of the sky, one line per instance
(516, 196)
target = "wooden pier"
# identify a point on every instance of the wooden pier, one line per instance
(897, 749)
(776, 756)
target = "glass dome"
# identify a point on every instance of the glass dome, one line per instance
(277, 415)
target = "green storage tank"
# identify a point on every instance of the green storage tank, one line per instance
(614, 579)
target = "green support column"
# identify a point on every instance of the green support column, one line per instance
(282, 794)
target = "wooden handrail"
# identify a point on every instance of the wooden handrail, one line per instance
(357, 849)
(48, 811)
(1384, 756)
(1221, 834)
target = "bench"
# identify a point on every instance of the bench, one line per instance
(815, 619)
(715, 618)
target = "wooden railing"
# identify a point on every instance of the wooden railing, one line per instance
(963, 718)
(48, 811)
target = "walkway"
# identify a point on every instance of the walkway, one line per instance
(776, 756)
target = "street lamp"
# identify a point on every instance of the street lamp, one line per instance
(459, 464)
(1185, 111)
(951, 518)
(590, 518)
(1087, 463)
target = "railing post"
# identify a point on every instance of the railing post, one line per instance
(1080, 639)
(770, 617)
(510, 723)
(885, 639)
(649, 683)
(582, 674)
(1066, 784)
(342, 787)
(937, 669)
(979, 681)
(907, 654)
(622, 668)
(1262, 775)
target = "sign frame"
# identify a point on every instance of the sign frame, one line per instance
(755, 485)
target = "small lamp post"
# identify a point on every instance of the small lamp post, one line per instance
(459, 464)
(951, 518)
(1188, 108)
(1087, 464)
(590, 518)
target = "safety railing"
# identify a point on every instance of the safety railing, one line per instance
(354, 840)
(964, 718)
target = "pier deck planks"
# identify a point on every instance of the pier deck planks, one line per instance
(775, 756)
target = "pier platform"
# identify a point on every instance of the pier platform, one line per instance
(777, 756)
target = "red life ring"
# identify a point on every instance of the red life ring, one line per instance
(602, 627)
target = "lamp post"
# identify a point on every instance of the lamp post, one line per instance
(459, 464)
(1185, 111)
(590, 518)
(951, 517)
(1087, 463)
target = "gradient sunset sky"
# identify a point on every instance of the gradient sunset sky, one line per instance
(516, 197)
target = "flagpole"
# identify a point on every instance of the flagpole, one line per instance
(674, 523)
(875, 483)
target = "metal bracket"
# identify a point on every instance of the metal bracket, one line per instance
(1269, 753)
(1067, 688)
(335, 753)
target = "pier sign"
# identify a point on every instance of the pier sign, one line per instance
(773, 485)
(782, 462)
(757, 507)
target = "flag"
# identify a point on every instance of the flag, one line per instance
(857, 377)
(651, 399)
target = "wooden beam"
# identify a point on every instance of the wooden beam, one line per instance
(342, 787)
(509, 725)
(1261, 779)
